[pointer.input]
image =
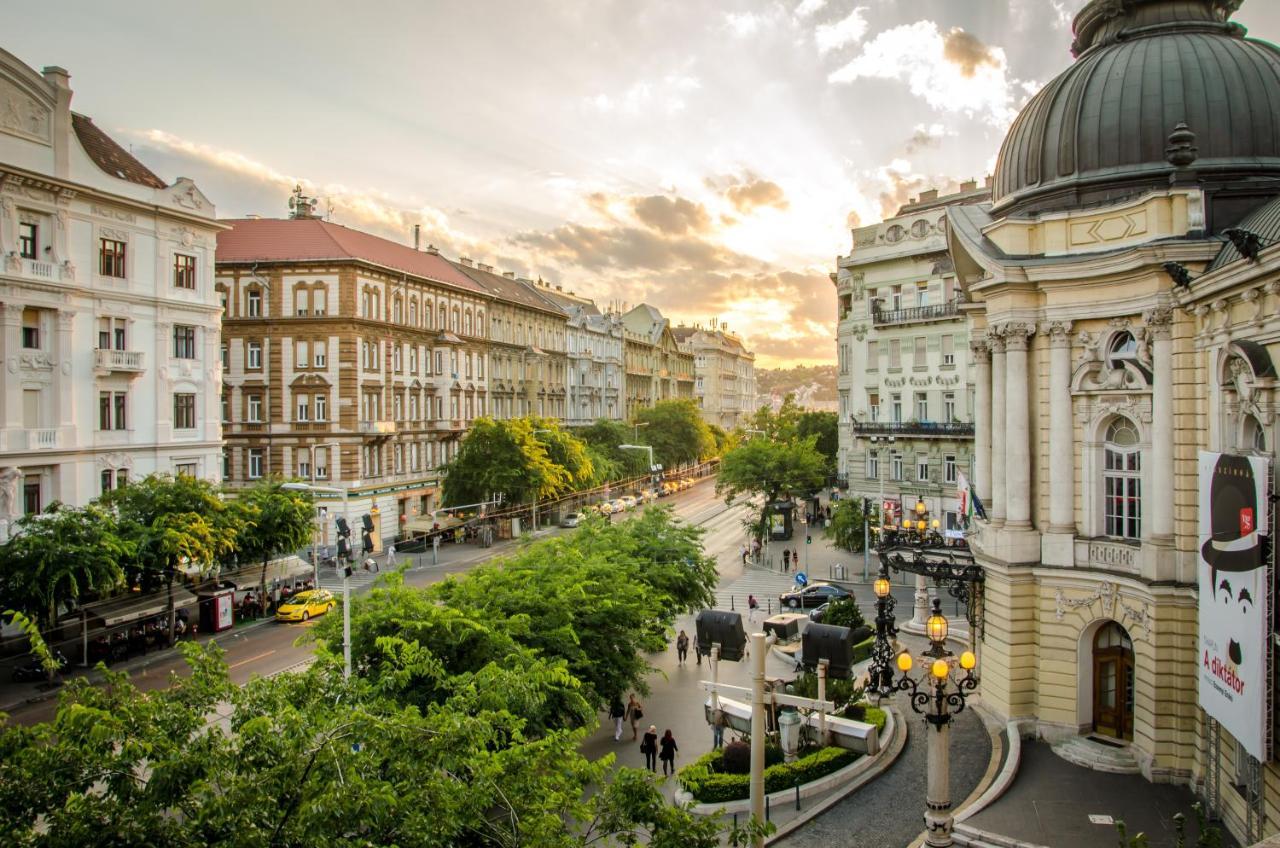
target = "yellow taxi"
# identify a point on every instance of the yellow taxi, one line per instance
(302, 606)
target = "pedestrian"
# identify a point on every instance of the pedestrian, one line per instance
(635, 712)
(795, 558)
(668, 754)
(786, 560)
(649, 747)
(743, 552)
(391, 555)
(682, 647)
(617, 712)
(697, 652)
(752, 606)
(718, 724)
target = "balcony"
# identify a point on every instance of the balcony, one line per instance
(45, 438)
(928, 429)
(913, 314)
(378, 428)
(42, 270)
(130, 361)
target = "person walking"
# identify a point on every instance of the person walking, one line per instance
(718, 724)
(682, 647)
(795, 558)
(786, 560)
(752, 606)
(668, 753)
(697, 652)
(743, 551)
(617, 712)
(634, 713)
(391, 555)
(649, 747)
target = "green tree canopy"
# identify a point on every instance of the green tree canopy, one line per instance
(566, 451)
(272, 520)
(780, 426)
(825, 427)
(846, 525)
(772, 468)
(677, 432)
(504, 457)
(606, 434)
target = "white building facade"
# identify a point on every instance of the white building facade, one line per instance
(905, 406)
(109, 323)
(594, 340)
(724, 374)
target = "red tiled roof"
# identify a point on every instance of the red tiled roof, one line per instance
(311, 240)
(111, 157)
(505, 288)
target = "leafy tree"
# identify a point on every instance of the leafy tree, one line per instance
(724, 440)
(308, 759)
(503, 457)
(844, 613)
(846, 525)
(172, 522)
(772, 468)
(677, 432)
(565, 450)
(272, 520)
(58, 555)
(605, 435)
(783, 425)
(823, 425)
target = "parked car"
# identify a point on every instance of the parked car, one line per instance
(573, 519)
(628, 501)
(812, 596)
(302, 606)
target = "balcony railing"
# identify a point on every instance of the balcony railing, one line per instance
(119, 360)
(378, 428)
(935, 429)
(42, 439)
(914, 313)
(44, 270)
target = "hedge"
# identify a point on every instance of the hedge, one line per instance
(709, 786)
(862, 650)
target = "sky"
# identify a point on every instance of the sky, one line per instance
(706, 157)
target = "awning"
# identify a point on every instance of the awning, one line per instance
(116, 611)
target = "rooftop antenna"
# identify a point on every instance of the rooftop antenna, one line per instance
(301, 206)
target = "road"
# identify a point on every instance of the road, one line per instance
(272, 647)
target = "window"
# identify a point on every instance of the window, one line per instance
(322, 463)
(224, 355)
(186, 469)
(111, 411)
(895, 408)
(873, 405)
(111, 258)
(300, 299)
(1123, 348)
(397, 359)
(304, 466)
(922, 406)
(226, 408)
(184, 411)
(1255, 436)
(873, 356)
(948, 351)
(304, 408)
(920, 358)
(184, 342)
(1122, 481)
(896, 299)
(922, 468)
(184, 271)
(31, 500)
(320, 355)
(254, 303)
(949, 407)
(453, 365)
(255, 463)
(114, 478)
(319, 301)
(922, 295)
(31, 329)
(895, 353)
(27, 240)
(111, 333)
(226, 465)
(873, 465)
(302, 355)
(322, 407)
(254, 358)
(398, 459)
(895, 466)
(255, 409)
(949, 468)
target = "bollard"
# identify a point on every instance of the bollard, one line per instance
(797, 794)
(769, 606)
(731, 603)
(766, 808)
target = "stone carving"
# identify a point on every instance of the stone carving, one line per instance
(115, 235)
(38, 361)
(188, 198)
(108, 212)
(9, 480)
(1016, 334)
(995, 340)
(1159, 322)
(7, 209)
(1112, 602)
(859, 331)
(13, 262)
(68, 271)
(21, 114)
(115, 459)
(1059, 333)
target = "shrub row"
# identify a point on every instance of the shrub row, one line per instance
(709, 786)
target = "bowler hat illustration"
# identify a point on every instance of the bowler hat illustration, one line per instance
(1233, 544)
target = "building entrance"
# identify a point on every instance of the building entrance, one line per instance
(1113, 682)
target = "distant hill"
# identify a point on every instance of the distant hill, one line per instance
(813, 385)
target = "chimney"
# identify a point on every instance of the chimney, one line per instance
(465, 261)
(559, 289)
(417, 236)
(510, 275)
(433, 250)
(987, 182)
(928, 196)
(61, 82)
(485, 268)
(968, 185)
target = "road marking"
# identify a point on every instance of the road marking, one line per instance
(251, 659)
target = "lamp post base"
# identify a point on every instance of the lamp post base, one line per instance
(937, 814)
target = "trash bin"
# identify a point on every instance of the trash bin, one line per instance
(217, 611)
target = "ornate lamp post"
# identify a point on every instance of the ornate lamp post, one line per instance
(938, 695)
(880, 674)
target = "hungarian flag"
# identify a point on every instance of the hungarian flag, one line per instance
(969, 503)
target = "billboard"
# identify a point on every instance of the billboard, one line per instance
(1233, 596)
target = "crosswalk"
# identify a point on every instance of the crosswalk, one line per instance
(331, 579)
(765, 585)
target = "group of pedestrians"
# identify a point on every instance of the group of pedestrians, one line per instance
(651, 746)
(790, 557)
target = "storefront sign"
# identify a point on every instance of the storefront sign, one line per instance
(1233, 596)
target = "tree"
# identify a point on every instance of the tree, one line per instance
(724, 440)
(772, 468)
(58, 555)
(846, 525)
(605, 435)
(272, 520)
(677, 432)
(823, 425)
(503, 457)
(172, 522)
(781, 426)
(566, 451)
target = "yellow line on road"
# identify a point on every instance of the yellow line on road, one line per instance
(251, 659)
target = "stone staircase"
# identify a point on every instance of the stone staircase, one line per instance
(1099, 756)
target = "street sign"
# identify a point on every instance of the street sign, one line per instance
(808, 540)
(802, 579)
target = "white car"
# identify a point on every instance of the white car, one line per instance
(628, 502)
(571, 520)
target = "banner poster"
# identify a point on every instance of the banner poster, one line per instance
(1233, 596)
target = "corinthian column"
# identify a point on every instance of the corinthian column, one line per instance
(1017, 462)
(1160, 330)
(982, 418)
(1061, 452)
(995, 341)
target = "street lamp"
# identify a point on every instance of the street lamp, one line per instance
(939, 696)
(636, 430)
(346, 571)
(880, 674)
(652, 468)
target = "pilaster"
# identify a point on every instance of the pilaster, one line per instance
(1159, 327)
(981, 353)
(995, 341)
(1017, 434)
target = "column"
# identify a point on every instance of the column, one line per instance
(937, 815)
(1061, 450)
(1017, 462)
(10, 345)
(65, 374)
(981, 481)
(995, 342)
(1160, 330)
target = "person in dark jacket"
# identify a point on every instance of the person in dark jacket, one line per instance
(668, 753)
(649, 747)
(616, 712)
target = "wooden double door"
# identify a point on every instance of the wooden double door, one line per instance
(1113, 682)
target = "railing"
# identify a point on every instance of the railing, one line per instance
(378, 428)
(1107, 555)
(42, 439)
(914, 313)
(912, 428)
(119, 360)
(39, 269)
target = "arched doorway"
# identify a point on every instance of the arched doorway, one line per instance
(1113, 682)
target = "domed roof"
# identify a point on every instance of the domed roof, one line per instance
(1100, 130)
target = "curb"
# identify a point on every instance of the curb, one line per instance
(1003, 780)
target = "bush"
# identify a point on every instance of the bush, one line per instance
(866, 712)
(862, 650)
(735, 758)
(844, 613)
(708, 785)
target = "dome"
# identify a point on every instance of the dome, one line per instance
(1101, 130)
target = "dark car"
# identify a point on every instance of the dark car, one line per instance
(813, 595)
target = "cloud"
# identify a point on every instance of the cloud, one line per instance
(807, 8)
(951, 72)
(750, 192)
(674, 215)
(848, 30)
(743, 24)
(925, 136)
(629, 248)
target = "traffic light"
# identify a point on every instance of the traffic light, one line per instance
(368, 522)
(343, 530)
(367, 539)
(344, 547)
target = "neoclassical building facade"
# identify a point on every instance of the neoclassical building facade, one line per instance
(109, 322)
(1117, 332)
(724, 373)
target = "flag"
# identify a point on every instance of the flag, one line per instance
(969, 503)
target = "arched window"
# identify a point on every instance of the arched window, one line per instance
(397, 310)
(453, 324)
(1123, 348)
(319, 300)
(1122, 480)
(426, 314)
(444, 316)
(480, 323)
(1255, 437)
(467, 324)
(301, 299)
(413, 312)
